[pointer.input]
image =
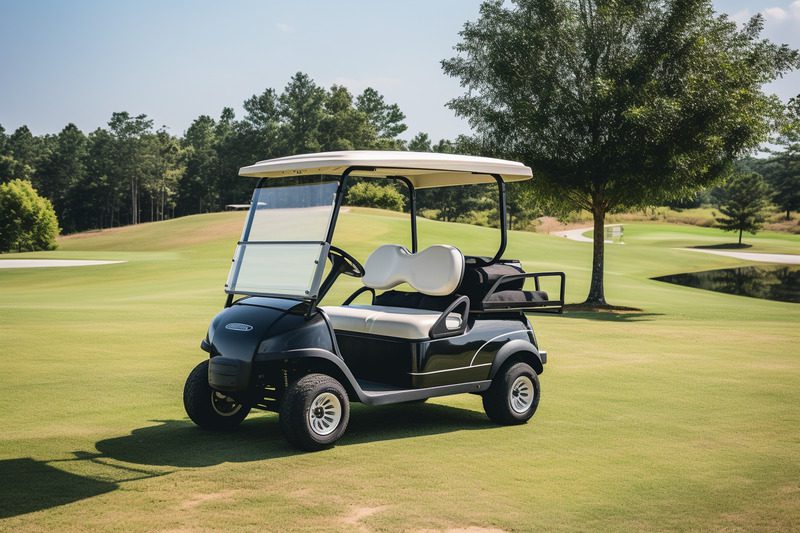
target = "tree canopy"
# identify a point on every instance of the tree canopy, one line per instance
(616, 104)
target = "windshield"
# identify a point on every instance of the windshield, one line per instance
(282, 251)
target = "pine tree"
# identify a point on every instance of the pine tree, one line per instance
(746, 197)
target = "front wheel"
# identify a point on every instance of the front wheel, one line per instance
(208, 408)
(513, 396)
(314, 412)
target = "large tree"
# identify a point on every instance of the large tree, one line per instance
(616, 104)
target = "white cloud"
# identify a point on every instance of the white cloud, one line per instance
(283, 28)
(777, 14)
(774, 15)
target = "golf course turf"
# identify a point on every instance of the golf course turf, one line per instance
(683, 416)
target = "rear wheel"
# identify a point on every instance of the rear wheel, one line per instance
(208, 408)
(513, 396)
(314, 412)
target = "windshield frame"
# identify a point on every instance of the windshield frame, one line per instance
(313, 295)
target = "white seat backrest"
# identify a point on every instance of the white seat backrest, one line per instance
(435, 271)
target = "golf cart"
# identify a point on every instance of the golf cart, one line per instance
(462, 329)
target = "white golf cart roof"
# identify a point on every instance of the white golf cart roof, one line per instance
(423, 169)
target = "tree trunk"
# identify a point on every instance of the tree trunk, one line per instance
(596, 291)
(740, 237)
(133, 203)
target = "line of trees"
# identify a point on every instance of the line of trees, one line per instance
(130, 171)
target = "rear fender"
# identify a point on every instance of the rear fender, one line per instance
(517, 350)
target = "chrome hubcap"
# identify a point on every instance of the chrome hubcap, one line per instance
(224, 405)
(325, 414)
(521, 394)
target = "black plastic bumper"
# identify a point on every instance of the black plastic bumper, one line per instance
(227, 374)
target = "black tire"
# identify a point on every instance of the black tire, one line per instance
(208, 408)
(304, 413)
(507, 406)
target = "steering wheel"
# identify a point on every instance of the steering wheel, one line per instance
(348, 265)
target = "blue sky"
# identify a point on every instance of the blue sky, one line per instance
(79, 61)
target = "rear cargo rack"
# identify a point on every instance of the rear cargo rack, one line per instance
(530, 305)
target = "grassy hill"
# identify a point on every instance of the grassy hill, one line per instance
(683, 416)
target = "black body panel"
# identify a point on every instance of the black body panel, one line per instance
(433, 363)
(261, 344)
(378, 359)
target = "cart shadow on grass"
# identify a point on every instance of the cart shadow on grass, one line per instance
(181, 444)
(157, 450)
(33, 485)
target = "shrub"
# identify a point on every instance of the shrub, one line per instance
(374, 195)
(27, 221)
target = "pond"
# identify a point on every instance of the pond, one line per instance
(781, 283)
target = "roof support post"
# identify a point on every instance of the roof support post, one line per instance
(501, 186)
(412, 207)
(339, 199)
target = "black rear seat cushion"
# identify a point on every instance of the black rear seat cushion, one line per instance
(516, 296)
(478, 281)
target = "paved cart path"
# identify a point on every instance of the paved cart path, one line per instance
(786, 259)
(39, 263)
(577, 234)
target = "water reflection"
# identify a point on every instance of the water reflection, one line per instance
(781, 283)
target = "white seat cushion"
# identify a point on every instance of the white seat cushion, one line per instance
(395, 322)
(436, 271)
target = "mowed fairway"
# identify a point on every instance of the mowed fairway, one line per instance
(685, 416)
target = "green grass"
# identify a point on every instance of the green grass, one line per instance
(682, 417)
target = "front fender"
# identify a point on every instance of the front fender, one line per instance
(317, 360)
